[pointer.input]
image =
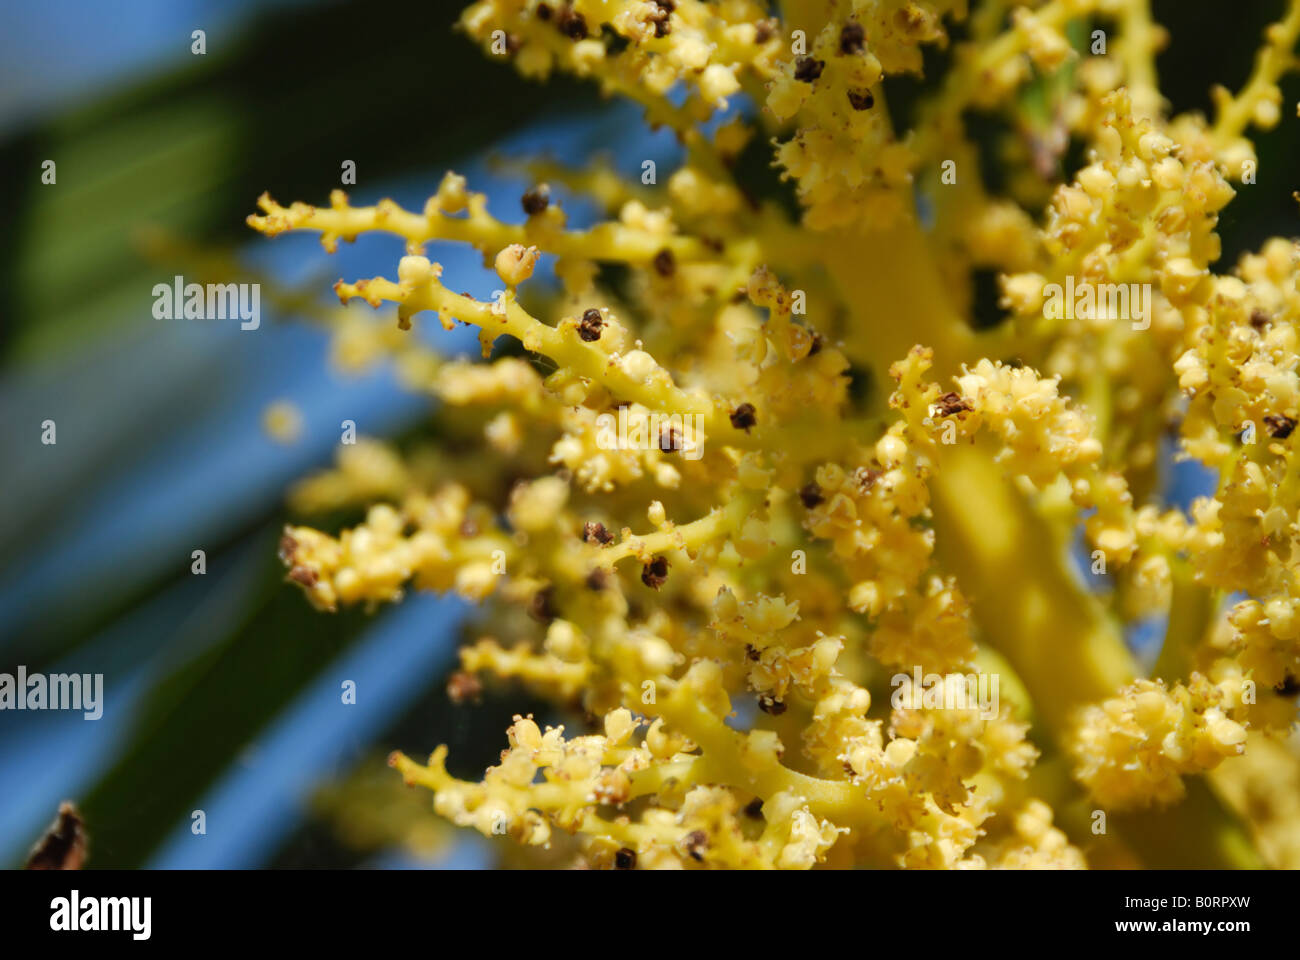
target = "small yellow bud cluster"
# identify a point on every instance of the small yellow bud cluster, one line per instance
(452, 547)
(1133, 750)
(1032, 843)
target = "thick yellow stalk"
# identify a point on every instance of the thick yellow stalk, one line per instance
(1009, 561)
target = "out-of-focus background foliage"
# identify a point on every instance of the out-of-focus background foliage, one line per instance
(222, 691)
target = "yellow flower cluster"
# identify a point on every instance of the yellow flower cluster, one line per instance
(1135, 747)
(775, 517)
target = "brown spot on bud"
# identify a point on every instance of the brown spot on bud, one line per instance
(597, 580)
(811, 495)
(542, 606)
(543, 11)
(909, 19)
(596, 533)
(655, 573)
(764, 30)
(571, 23)
(861, 99)
(742, 418)
(1259, 319)
(590, 326)
(304, 575)
(751, 652)
(1279, 426)
(696, 842)
(851, 37)
(536, 199)
(808, 69)
(625, 859)
(866, 477)
(463, 686)
(772, 705)
(665, 263)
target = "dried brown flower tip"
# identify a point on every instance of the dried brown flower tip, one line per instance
(625, 859)
(1259, 319)
(808, 69)
(851, 37)
(952, 403)
(1279, 426)
(571, 23)
(463, 686)
(596, 533)
(655, 573)
(63, 845)
(665, 263)
(590, 326)
(304, 575)
(536, 199)
(660, 16)
(764, 30)
(542, 606)
(742, 418)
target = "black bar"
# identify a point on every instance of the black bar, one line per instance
(437, 909)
